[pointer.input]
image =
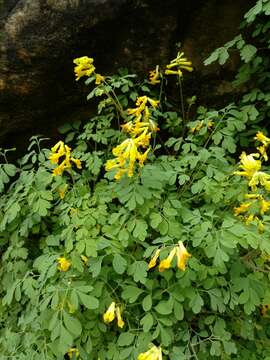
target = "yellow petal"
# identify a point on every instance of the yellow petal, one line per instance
(109, 315)
(153, 261)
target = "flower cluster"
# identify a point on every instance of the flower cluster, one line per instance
(178, 64)
(258, 181)
(85, 67)
(63, 264)
(140, 129)
(179, 251)
(155, 353)
(63, 152)
(112, 312)
(154, 76)
(175, 67)
(201, 124)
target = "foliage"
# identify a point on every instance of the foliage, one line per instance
(93, 267)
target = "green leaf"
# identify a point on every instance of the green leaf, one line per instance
(125, 339)
(147, 322)
(119, 264)
(247, 53)
(89, 301)
(140, 230)
(164, 307)
(72, 324)
(147, 303)
(196, 303)
(139, 271)
(131, 293)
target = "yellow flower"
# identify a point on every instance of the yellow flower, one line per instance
(166, 263)
(99, 79)
(260, 178)
(174, 72)
(63, 264)
(84, 259)
(197, 127)
(182, 256)
(260, 226)
(153, 126)
(265, 205)
(153, 103)
(73, 353)
(120, 322)
(60, 146)
(77, 162)
(142, 157)
(262, 150)
(62, 191)
(84, 67)
(178, 64)
(128, 127)
(242, 208)
(153, 261)
(249, 165)
(61, 150)
(154, 353)
(109, 315)
(262, 138)
(154, 76)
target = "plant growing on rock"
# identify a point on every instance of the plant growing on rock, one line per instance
(121, 242)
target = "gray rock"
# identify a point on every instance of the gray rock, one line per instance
(40, 39)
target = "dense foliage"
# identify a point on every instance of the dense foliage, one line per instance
(138, 236)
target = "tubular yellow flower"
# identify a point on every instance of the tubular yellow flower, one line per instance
(62, 150)
(261, 226)
(178, 64)
(182, 256)
(120, 322)
(142, 157)
(77, 162)
(242, 208)
(155, 353)
(99, 79)
(249, 165)
(153, 261)
(262, 150)
(63, 264)
(109, 315)
(262, 138)
(265, 206)
(260, 178)
(154, 76)
(73, 352)
(166, 263)
(84, 67)
(62, 191)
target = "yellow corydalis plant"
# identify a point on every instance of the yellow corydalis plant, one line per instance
(62, 151)
(140, 129)
(154, 76)
(84, 67)
(113, 312)
(73, 353)
(179, 251)
(63, 264)
(259, 181)
(178, 64)
(155, 353)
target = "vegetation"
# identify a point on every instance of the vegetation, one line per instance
(139, 235)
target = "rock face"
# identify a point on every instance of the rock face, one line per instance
(40, 38)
